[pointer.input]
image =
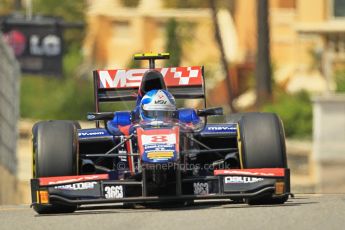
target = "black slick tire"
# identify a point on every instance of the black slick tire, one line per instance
(262, 145)
(55, 153)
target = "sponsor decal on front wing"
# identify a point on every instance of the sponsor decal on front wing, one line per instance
(200, 188)
(261, 172)
(113, 191)
(77, 186)
(241, 180)
(71, 179)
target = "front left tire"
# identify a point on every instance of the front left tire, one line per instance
(55, 153)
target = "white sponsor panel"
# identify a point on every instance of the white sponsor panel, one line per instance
(77, 186)
(241, 180)
(113, 192)
(200, 188)
(159, 138)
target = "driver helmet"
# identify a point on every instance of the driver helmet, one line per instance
(157, 105)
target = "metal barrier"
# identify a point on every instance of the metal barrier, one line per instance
(9, 106)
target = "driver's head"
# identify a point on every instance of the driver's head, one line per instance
(157, 105)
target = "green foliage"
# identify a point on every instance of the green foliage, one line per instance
(173, 45)
(51, 98)
(68, 10)
(197, 4)
(295, 112)
(130, 3)
(58, 98)
(68, 97)
(118, 106)
(339, 78)
(186, 4)
(5, 6)
(134, 64)
(45, 98)
(71, 60)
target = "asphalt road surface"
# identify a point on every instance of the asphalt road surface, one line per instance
(305, 211)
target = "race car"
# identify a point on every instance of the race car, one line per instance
(157, 152)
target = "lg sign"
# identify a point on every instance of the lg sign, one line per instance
(37, 43)
(49, 45)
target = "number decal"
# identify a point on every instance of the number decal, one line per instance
(160, 138)
(112, 192)
(200, 188)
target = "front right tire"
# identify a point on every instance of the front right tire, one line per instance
(261, 143)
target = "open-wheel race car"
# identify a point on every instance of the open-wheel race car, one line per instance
(156, 152)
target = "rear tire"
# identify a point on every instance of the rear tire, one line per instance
(55, 149)
(262, 145)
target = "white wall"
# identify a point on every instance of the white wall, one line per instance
(329, 143)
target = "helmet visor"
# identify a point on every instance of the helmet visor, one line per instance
(158, 115)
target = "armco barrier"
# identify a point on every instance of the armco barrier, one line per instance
(9, 114)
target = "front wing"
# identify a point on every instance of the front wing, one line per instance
(99, 188)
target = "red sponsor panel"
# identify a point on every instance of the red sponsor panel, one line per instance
(71, 179)
(279, 172)
(173, 77)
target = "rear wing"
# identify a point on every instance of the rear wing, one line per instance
(123, 84)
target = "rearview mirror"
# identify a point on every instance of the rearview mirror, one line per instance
(216, 111)
(100, 116)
